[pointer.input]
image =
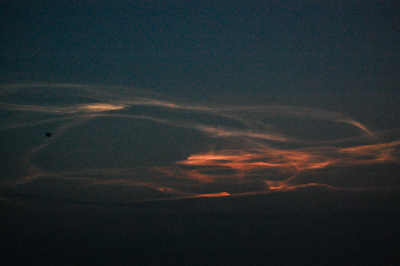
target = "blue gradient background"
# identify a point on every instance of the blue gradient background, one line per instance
(331, 56)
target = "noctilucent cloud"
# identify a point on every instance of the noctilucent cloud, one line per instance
(122, 145)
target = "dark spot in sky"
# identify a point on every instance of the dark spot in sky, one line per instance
(48, 134)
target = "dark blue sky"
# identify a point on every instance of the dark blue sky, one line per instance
(343, 55)
(263, 135)
(242, 49)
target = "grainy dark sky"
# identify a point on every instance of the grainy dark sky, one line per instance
(199, 132)
(255, 49)
(343, 55)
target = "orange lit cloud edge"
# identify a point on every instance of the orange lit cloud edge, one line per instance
(254, 151)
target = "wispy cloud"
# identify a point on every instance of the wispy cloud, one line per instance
(243, 144)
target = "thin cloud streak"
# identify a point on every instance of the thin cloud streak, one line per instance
(243, 145)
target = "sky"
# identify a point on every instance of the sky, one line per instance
(199, 132)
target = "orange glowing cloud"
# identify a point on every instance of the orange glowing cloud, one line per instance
(214, 195)
(243, 161)
(100, 107)
(239, 150)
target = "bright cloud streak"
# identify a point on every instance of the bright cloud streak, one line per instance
(100, 107)
(242, 145)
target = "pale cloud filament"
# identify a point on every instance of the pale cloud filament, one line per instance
(241, 145)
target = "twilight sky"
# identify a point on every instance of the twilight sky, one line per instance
(267, 111)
